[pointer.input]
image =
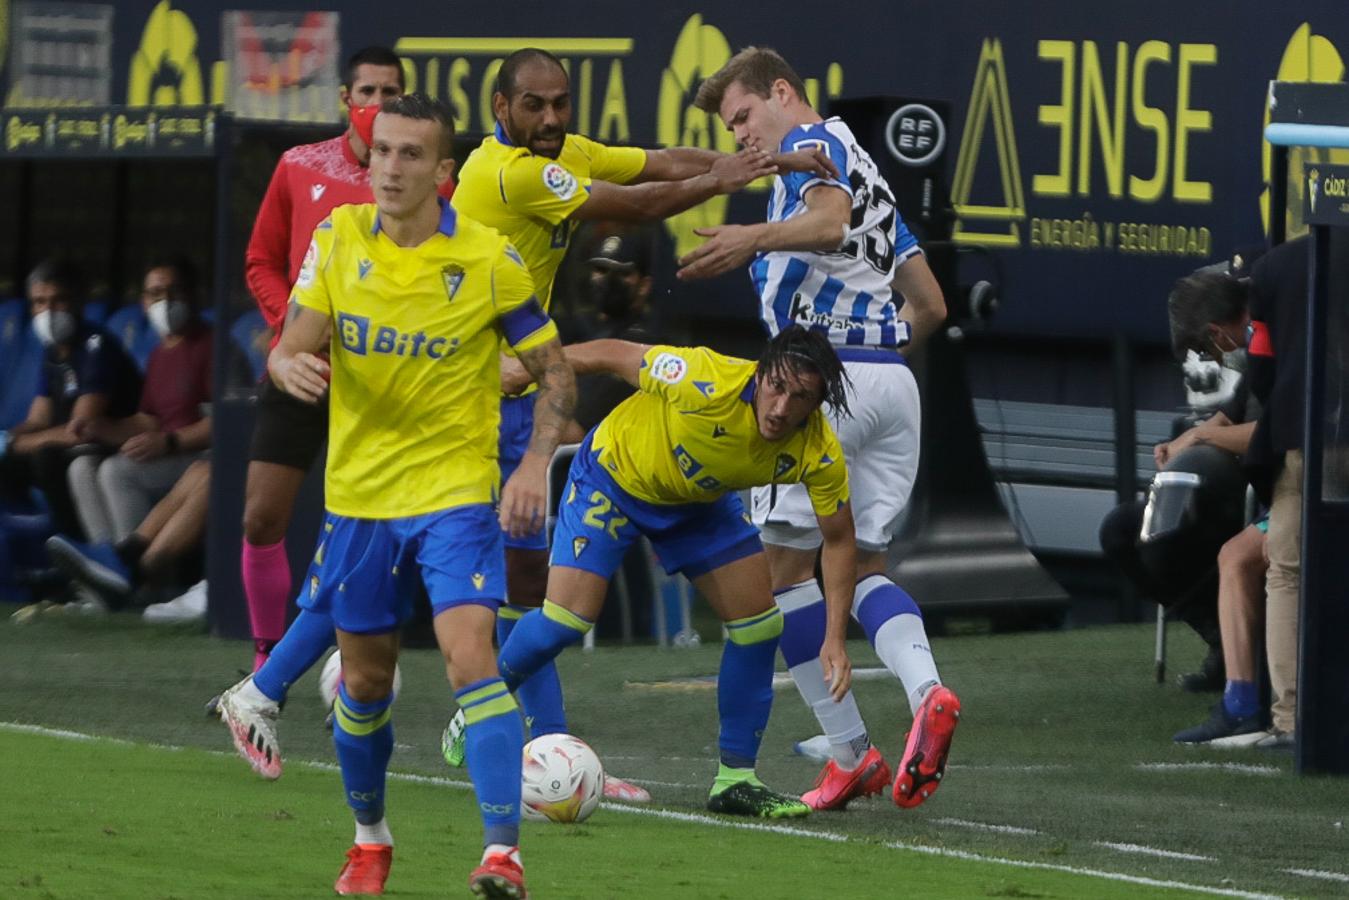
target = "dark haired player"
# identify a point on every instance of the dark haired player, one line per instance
(665, 464)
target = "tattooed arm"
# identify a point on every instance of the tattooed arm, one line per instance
(524, 499)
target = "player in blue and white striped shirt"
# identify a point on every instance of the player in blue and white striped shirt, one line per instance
(835, 256)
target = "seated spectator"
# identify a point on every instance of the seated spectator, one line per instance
(150, 554)
(87, 377)
(1259, 324)
(155, 446)
(1238, 719)
(1180, 571)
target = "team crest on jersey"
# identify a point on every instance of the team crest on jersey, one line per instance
(309, 268)
(669, 368)
(718, 431)
(454, 278)
(786, 462)
(560, 181)
(363, 267)
(578, 546)
(479, 579)
(812, 144)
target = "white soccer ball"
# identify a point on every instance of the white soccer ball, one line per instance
(332, 674)
(563, 780)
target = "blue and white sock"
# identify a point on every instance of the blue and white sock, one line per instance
(803, 625)
(745, 685)
(307, 638)
(894, 625)
(539, 695)
(363, 735)
(494, 742)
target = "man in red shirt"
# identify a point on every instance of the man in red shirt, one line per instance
(309, 182)
(155, 446)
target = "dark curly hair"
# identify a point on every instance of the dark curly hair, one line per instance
(796, 350)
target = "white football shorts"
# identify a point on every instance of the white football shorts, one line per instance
(880, 443)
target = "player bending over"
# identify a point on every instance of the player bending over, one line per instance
(533, 180)
(665, 464)
(835, 256)
(417, 299)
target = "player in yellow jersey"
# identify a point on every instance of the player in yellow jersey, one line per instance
(532, 180)
(665, 464)
(418, 299)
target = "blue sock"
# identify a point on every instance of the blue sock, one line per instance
(363, 733)
(802, 631)
(745, 686)
(539, 695)
(539, 636)
(881, 601)
(307, 638)
(1241, 699)
(494, 742)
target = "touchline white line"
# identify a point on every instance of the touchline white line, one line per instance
(699, 819)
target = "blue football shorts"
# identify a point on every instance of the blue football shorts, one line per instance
(517, 425)
(363, 571)
(599, 520)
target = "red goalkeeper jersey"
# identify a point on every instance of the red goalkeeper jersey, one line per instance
(310, 181)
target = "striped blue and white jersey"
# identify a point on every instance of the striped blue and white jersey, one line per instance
(844, 294)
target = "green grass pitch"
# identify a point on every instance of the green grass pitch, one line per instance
(1063, 783)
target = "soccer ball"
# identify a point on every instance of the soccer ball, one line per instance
(562, 779)
(332, 674)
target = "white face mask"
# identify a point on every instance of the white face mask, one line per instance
(168, 316)
(54, 326)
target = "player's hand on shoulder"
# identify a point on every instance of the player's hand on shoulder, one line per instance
(514, 376)
(812, 160)
(735, 171)
(523, 499)
(728, 247)
(303, 376)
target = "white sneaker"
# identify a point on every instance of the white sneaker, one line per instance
(252, 725)
(816, 748)
(1275, 739)
(181, 610)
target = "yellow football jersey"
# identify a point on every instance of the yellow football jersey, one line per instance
(530, 198)
(416, 378)
(689, 435)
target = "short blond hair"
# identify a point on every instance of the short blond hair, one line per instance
(755, 69)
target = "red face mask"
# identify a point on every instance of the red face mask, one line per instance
(363, 120)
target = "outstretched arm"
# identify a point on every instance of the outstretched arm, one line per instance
(838, 564)
(523, 499)
(822, 228)
(657, 200)
(622, 359)
(678, 163)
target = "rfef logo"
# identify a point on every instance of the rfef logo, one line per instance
(915, 134)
